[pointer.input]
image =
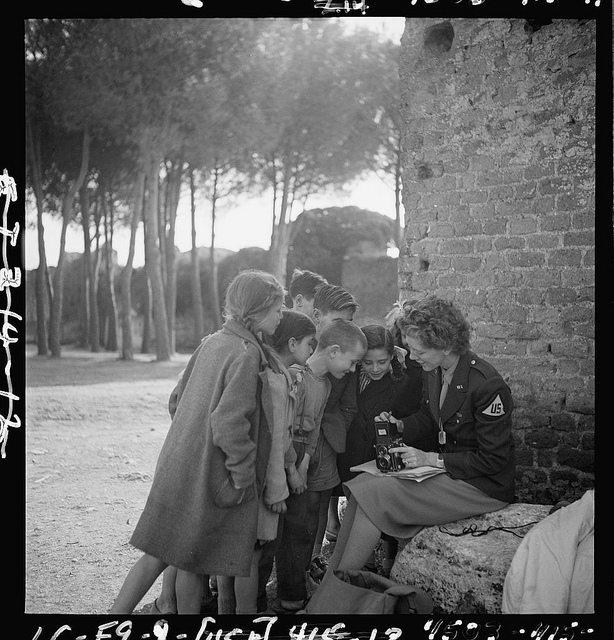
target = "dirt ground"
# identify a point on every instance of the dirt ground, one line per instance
(94, 428)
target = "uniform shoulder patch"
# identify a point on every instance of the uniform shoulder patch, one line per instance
(495, 408)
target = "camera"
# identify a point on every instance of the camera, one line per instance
(387, 437)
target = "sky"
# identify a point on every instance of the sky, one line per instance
(238, 224)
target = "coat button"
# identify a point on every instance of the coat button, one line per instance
(473, 362)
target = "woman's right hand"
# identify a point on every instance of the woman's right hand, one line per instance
(229, 496)
(388, 417)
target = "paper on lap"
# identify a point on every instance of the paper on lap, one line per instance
(418, 474)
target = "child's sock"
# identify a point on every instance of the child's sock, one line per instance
(226, 600)
(226, 605)
(247, 611)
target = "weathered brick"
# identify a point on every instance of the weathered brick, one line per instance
(543, 278)
(473, 196)
(541, 438)
(509, 242)
(581, 460)
(561, 296)
(523, 225)
(451, 280)
(565, 258)
(500, 192)
(508, 313)
(557, 222)
(568, 367)
(539, 170)
(583, 219)
(515, 208)
(494, 227)
(456, 246)
(579, 239)
(571, 202)
(526, 259)
(466, 263)
(588, 259)
(526, 189)
(518, 349)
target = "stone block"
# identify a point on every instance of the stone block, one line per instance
(465, 574)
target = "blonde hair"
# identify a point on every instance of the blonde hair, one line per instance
(251, 293)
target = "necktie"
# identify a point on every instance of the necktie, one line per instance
(442, 396)
(444, 388)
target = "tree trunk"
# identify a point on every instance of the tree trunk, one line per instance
(42, 273)
(94, 281)
(215, 289)
(197, 296)
(127, 349)
(57, 304)
(278, 254)
(152, 266)
(111, 310)
(87, 266)
(174, 190)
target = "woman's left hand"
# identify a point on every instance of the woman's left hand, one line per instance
(413, 458)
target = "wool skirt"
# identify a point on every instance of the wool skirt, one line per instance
(401, 508)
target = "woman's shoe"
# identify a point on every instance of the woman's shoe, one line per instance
(317, 568)
(330, 536)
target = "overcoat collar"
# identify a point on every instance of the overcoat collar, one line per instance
(375, 387)
(456, 391)
(266, 401)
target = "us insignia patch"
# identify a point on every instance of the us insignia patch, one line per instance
(495, 408)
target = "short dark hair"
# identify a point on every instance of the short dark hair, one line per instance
(437, 323)
(344, 333)
(292, 325)
(304, 282)
(378, 337)
(331, 297)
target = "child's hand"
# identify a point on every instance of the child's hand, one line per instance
(296, 482)
(278, 507)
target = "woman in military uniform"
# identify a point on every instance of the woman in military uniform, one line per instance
(466, 409)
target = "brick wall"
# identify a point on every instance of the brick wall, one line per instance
(499, 183)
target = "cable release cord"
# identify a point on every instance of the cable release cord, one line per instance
(475, 532)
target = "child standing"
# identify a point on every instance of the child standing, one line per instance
(332, 303)
(292, 344)
(383, 385)
(302, 290)
(201, 515)
(341, 345)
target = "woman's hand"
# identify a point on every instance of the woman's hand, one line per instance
(413, 458)
(388, 417)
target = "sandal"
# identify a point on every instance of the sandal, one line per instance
(317, 568)
(330, 536)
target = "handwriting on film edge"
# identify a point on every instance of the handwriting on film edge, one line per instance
(433, 629)
(8, 278)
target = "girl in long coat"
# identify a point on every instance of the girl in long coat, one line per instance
(201, 515)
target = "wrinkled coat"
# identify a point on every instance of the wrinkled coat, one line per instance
(219, 430)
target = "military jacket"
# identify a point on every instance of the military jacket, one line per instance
(476, 418)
